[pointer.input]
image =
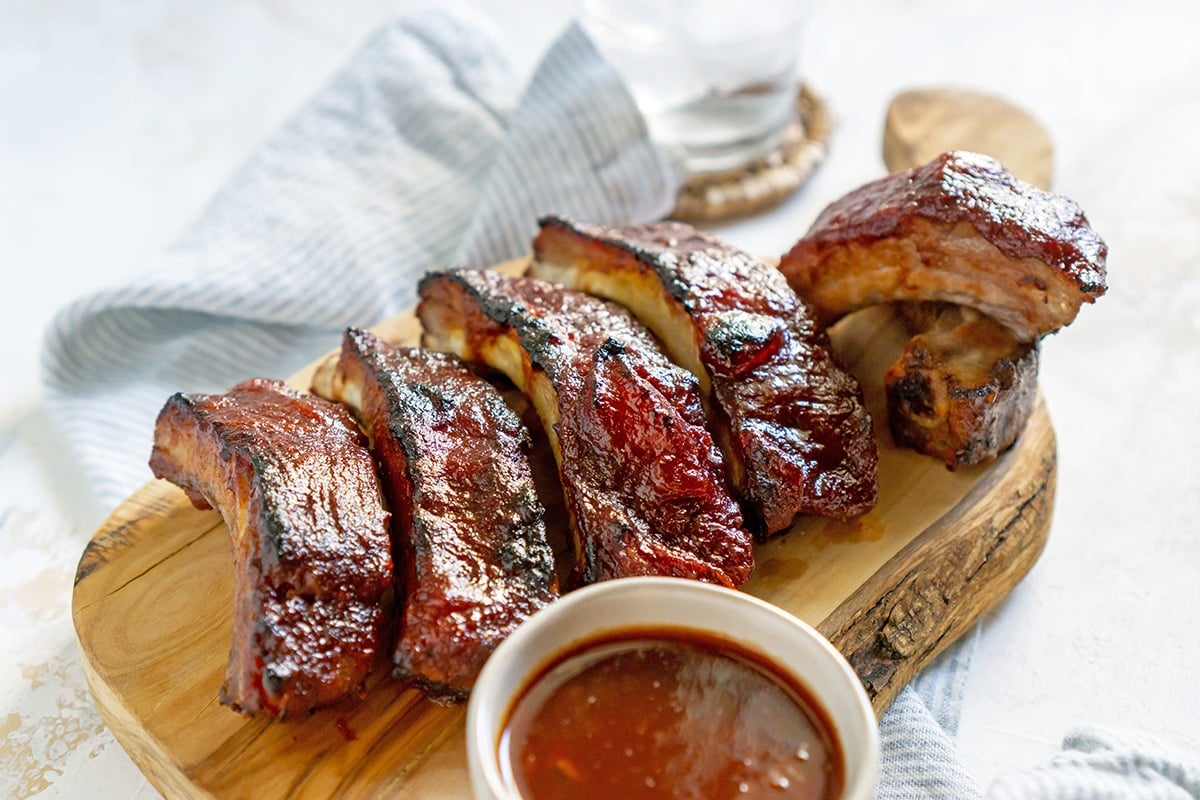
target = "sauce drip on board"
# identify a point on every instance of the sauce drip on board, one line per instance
(667, 714)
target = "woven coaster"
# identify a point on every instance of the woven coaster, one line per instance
(769, 179)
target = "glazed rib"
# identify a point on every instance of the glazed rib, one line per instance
(960, 229)
(292, 477)
(796, 436)
(641, 476)
(963, 388)
(467, 523)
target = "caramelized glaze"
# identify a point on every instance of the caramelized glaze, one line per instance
(292, 477)
(467, 523)
(960, 229)
(642, 479)
(795, 432)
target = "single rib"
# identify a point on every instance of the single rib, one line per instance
(642, 479)
(470, 544)
(292, 477)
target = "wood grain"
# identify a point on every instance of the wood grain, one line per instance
(924, 123)
(153, 591)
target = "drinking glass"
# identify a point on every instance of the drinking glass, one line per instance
(716, 80)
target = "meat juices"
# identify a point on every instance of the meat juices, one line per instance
(642, 479)
(291, 476)
(796, 435)
(960, 229)
(467, 524)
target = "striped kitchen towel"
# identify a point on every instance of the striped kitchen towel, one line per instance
(413, 157)
(408, 160)
(1102, 764)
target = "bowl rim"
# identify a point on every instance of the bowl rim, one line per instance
(487, 709)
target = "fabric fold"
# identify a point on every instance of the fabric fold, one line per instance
(1103, 764)
(404, 162)
(919, 760)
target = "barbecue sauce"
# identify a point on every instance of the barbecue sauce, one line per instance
(667, 713)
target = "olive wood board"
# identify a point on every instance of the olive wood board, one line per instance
(923, 123)
(153, 594)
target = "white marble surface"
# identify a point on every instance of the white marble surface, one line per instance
(119, 119)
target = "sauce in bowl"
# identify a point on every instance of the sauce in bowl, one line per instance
(667, 713)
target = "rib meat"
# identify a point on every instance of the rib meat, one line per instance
(960, 229)
(963, 388)
(292, 477)
(467, 523)
(796, 436)
(642, 478)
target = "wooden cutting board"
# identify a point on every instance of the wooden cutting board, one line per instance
(153, 596)
(923, 123)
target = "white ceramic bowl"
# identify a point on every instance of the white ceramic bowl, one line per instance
(590, 612)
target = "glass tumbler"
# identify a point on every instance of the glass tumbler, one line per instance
(716, 80)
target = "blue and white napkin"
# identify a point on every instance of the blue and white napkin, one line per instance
(411, 159)
(406, 161)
